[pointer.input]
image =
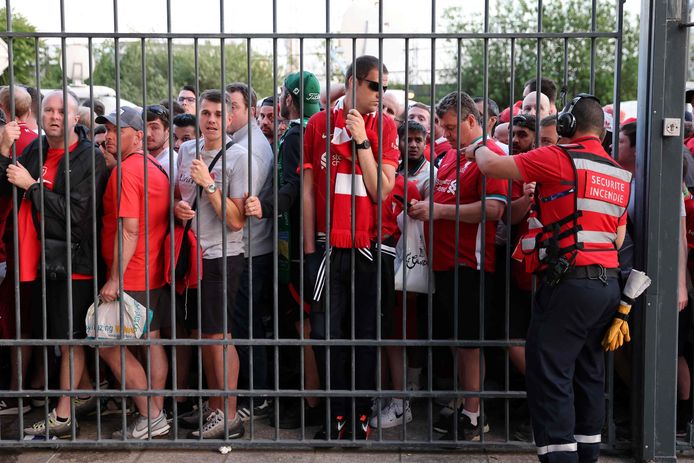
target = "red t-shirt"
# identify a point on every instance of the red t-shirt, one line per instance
(470, 234)
(549, 166)
(316, 159)
(26, 136)
(132, 205)
(29, 243)
(392, 207)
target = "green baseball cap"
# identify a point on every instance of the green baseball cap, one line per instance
(311, 91)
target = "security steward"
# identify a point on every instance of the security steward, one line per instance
(581, 199)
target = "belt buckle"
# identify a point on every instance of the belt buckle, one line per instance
(602, 274)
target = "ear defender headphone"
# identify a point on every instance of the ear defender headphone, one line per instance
(566, 121)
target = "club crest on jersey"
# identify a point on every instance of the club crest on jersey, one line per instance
(334, 160)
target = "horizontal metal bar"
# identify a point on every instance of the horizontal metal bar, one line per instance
(296, 444)
(262, 342)
(687, 24)
(264, 393)
(319, 35)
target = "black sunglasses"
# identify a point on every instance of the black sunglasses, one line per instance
(375, 86)
(159, 112)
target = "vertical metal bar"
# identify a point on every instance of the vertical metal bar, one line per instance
(456, 234)
(379, 202)
(406, 199)
(661, 68)
(95, 243)
(617, 85)
(430, 276)
(593, 28)
(196, 49)
(302, 318)
(119, 179)
(148, 370)
(172, 251)
(507, 263)
(483, 240)
(68, 223)
(225, 270)
(352, 256)
(328, 274)
(250, 231)
(275, 225)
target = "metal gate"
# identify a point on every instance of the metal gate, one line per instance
(646, 424)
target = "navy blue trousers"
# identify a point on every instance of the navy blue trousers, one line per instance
(566, 367)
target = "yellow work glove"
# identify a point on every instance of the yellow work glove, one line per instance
(618, 333)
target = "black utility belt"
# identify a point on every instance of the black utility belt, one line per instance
(591, 272)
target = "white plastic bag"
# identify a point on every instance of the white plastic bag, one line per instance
(136, 318)
(413, 253)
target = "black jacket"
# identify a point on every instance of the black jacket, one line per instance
(83, 187)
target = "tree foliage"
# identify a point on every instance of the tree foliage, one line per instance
(23, 50)
(571, 16)
(183, 59)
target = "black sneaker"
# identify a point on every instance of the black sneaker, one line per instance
(289, 417)
(466, 430)
(261, 408)
(10, 406)
(338, 428)
(362, 429)
(445, 423)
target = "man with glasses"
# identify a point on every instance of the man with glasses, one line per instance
(158, 126)
(353, 145)
(186, 98)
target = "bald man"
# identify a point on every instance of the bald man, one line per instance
(530, 102)
(41, 179)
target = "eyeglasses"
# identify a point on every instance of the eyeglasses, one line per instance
(375, 86)
(186, 99)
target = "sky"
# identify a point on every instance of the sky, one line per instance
(255, 16)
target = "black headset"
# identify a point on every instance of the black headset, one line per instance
(566, 121)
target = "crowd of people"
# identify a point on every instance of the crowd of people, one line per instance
(391, 168)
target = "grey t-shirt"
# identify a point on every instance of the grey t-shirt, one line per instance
(263, 158)
(211, 226)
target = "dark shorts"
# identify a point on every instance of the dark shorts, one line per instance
(57, 314)
(468, 309)
(160, 312)
(212, 318)
(388, 319)
(180, 314)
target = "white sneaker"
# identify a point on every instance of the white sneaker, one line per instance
(393, 415)
(139, 429)
(214, 427)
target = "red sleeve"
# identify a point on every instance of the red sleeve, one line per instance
(622, 220)
(131, 193)
(497, 188)
(545, 165)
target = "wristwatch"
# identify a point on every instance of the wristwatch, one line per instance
(363, 145)
(211, 188)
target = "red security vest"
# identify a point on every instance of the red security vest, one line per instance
(689, 210)
(590, 206)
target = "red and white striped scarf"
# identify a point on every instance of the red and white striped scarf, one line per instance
(341, 184)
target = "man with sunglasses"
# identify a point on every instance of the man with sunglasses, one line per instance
(353, 143)
(158, 126)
